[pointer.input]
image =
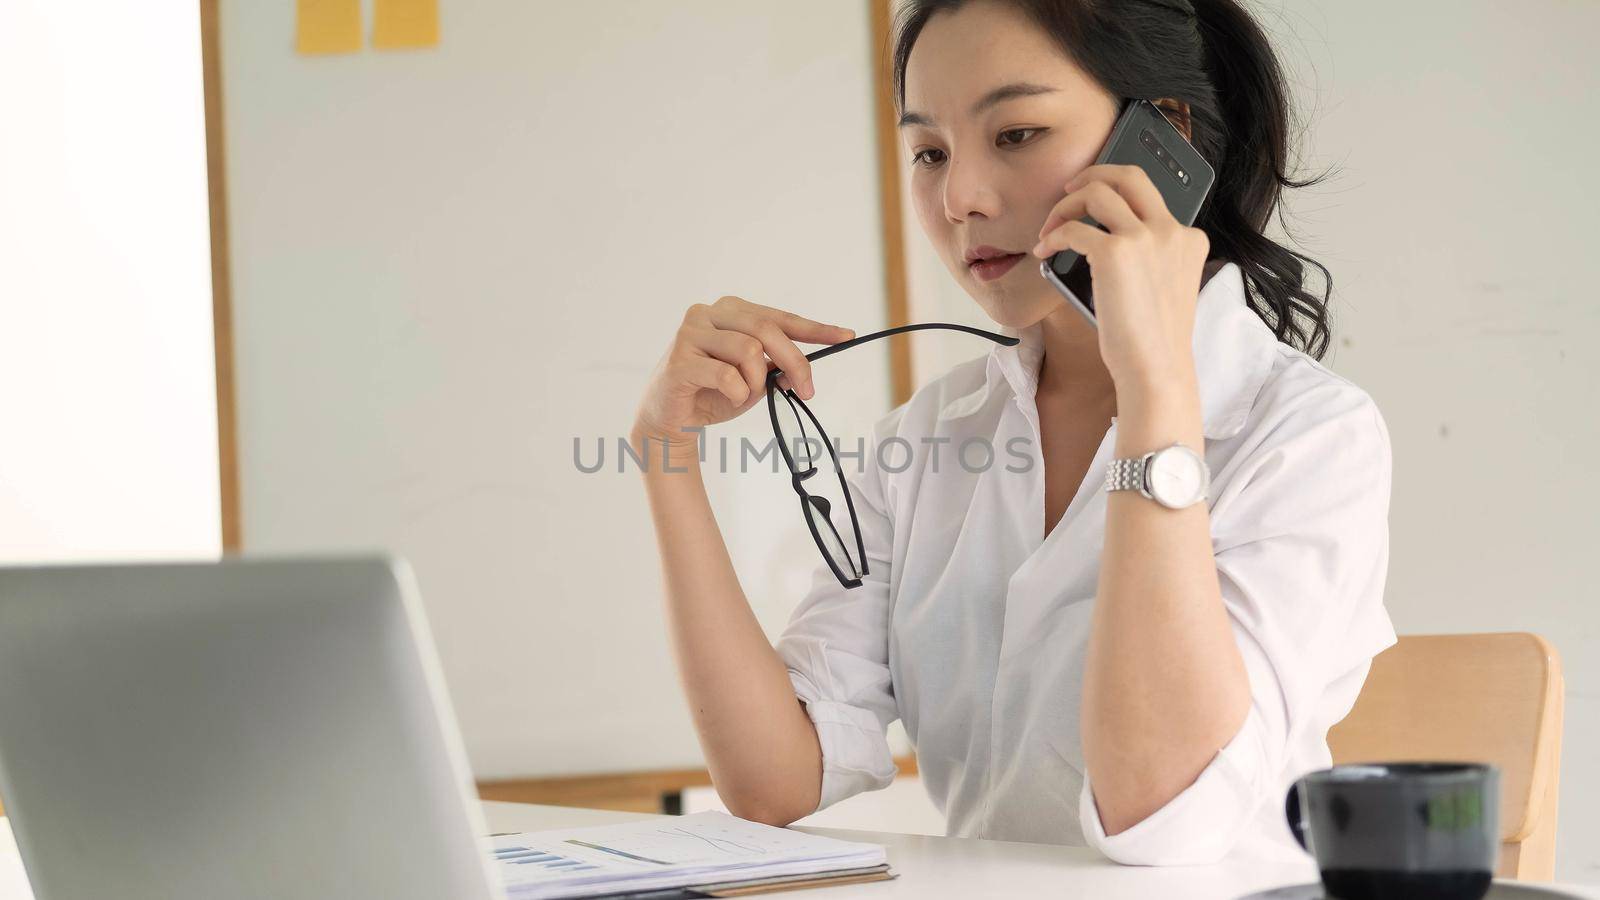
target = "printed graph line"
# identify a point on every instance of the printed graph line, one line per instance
(709, 840)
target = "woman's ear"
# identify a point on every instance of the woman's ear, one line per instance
(1178, 113)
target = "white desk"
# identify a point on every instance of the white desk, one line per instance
(929, 867)
(932, 868)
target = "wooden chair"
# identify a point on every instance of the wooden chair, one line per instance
(1493, 698)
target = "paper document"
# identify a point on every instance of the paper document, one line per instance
(669, 852)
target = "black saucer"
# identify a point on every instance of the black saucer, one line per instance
(1500, 890)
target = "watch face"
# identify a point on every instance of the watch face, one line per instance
(1177, 477)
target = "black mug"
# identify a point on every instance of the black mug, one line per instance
(1419, 831)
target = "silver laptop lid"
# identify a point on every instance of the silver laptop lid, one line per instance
(245, 729)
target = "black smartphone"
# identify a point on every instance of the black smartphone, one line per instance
(1142, 137)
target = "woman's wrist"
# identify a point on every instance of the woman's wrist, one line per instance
(1155, 386)
(1156, 411)
(659, 453)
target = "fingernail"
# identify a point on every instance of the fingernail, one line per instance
(1037, 248)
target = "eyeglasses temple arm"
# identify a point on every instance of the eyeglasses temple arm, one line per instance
(815, 355)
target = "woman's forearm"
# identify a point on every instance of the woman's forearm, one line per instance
(760, 746)
(1164, 685)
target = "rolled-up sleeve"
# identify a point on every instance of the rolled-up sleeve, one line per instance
(1301, 543)
(836, 646)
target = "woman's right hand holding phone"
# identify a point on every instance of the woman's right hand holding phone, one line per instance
(716, 367)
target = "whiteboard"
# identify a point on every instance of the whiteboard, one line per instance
(450, 263)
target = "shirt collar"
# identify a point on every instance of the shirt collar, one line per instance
(1233, 351)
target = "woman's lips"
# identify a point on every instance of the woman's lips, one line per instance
(990, 269)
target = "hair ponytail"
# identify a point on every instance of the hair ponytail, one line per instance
(1251, 166)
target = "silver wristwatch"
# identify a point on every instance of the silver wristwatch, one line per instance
(1174, 476)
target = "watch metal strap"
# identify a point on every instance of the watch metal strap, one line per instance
(1126, 474)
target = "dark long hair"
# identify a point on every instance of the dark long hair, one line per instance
(1213, 56)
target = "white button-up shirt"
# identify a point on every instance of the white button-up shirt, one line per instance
(972, 625)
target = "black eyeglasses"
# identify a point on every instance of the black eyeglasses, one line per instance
(821, 503)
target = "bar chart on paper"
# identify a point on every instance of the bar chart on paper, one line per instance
(527, 856)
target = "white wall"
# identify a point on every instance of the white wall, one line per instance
(1459, 233)
(108, 428)
(449, 263)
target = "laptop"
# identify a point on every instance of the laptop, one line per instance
(254, 728)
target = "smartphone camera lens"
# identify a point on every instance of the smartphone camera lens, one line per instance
(1151, 143)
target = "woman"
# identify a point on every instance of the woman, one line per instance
(1074, 665)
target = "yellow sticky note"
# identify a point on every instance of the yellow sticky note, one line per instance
(403, 24)
(327, 26)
